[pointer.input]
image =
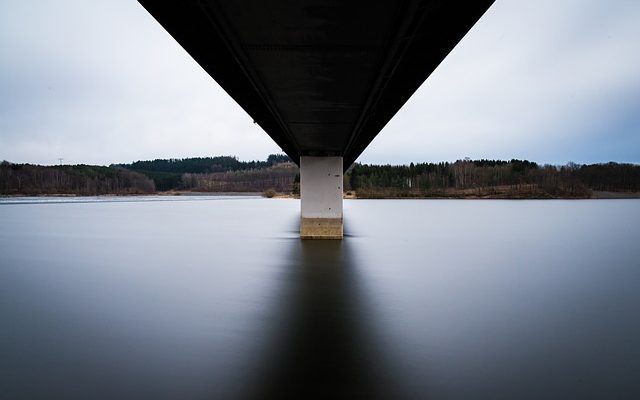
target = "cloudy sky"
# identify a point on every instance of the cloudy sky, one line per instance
(101, 82)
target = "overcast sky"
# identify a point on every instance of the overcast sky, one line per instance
(101, 82)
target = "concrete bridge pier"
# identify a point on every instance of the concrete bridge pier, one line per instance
(321, 197)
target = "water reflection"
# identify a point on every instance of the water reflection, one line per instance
(221, 300)
(323, 346)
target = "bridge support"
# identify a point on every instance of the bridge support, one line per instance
(321, 197)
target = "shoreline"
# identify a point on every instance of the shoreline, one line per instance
(595, 195)
(171, 193)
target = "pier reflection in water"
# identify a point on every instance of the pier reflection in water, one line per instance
(324, 342)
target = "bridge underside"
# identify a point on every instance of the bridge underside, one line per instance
(321, 77)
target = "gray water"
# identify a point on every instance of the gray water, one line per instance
(216, 298)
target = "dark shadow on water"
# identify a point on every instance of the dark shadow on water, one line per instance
(322, 345)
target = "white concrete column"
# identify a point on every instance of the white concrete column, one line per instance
(321, 197)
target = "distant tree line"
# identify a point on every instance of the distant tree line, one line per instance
(279, 178)
(27, 179)
(491, 178)
(167, 174)
(462, 178)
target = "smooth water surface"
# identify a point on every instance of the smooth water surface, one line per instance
(217, 298)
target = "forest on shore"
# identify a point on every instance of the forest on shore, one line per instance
(277, 174)
(83, 180)
(493, 179)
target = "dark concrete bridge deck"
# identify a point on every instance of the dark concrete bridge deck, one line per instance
(321, 77)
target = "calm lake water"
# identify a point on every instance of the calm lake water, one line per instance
(216, 298)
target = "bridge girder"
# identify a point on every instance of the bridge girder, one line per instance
(321, 77)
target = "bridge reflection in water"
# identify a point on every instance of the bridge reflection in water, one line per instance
(323, 344)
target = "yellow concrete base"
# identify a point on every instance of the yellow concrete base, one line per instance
(321, 228)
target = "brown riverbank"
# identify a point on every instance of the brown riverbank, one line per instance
(522, 192)
(503, 193)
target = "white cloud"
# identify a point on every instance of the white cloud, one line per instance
(102, 82)
(530, 80)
